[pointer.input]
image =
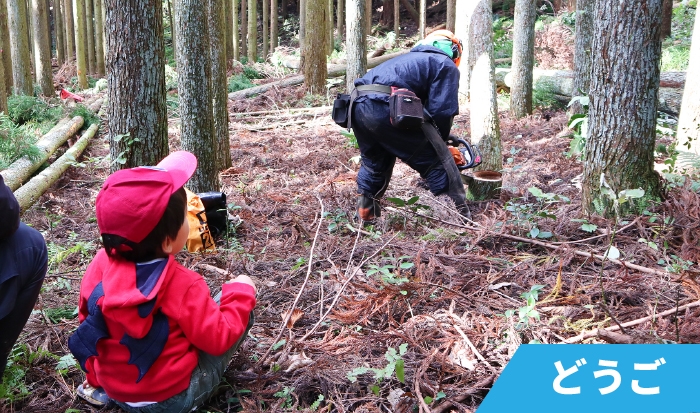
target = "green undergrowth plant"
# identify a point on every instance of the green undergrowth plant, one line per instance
(23, 109)
(351, 139)
(391, 271)
(528, 312)
(411, 203)
(15, 142)
(89, 118)
(14, 386)
(526, 213)
(395, 364)
(578, 122)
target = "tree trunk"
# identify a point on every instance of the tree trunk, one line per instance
(314, 52)
(622, 118)
(397, 22)
(234, 31)
(80, 43)
(329, 27)
(688, 131)
(194, 73)
(58, 29)
(252, 31)
(228, 33)
(523, 58)
(244, 27)
(421, 19)
(23, 168)
(90, 38)
(69, 28)
(5, 48)
(666, 18)
(582, 53)
(265, 28)
(28, 194)
(463, 16)
(340, 20)
(136, 83)
(173, 34)
(3, 92)
(218, 84)
(356, 47)
(483, 108)
(42, 59)
(302, 23)
(19, 46)
(450, 23)
(368, 17)
(411, 11)
(274, 26)
(99, 38)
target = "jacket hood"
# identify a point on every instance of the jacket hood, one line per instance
(131, 298)
(9, 211)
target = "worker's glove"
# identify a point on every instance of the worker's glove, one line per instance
(457, 156)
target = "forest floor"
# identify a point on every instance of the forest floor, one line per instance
(437, 293)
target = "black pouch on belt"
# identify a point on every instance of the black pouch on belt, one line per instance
(215, 209)
(405, 109)
(341, 107)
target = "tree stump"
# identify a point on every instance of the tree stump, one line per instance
(483, 185)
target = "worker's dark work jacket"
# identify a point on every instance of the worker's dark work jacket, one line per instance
(434, 78)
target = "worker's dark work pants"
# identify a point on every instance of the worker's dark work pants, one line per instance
(381, 143)
(23, 264)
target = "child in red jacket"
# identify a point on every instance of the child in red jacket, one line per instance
(151, 337)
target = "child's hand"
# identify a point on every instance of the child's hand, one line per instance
(243, 279)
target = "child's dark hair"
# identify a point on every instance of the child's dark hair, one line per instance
(152, 246)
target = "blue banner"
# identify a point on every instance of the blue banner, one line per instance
(598, 378)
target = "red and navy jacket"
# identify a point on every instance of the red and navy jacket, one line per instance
(143, 326)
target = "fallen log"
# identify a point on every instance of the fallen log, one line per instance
(22, 169)
(561, 84)
(333, 71)
(28, 194)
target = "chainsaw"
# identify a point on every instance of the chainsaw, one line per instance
(470, 153)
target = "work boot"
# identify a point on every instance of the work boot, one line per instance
(368, 209)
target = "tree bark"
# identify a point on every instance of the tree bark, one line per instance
(622, 117)
(582, 51)
(483, 108)
(42, 58)
(173, 34)
(340, 20)
(22, 169)
(28, 194)
(252, 31)
(356, 47)
(80, 42)
(450, 23)
(397, 22)
(234, 30)
(90, 38)
(523, 58)
(69, 28)
(421, 19)
(688, 131)
(3, 92)
(19, 46)
(228, 33)
(265, 28)
(329, 27)
(463, 16)
(368, 17)
(195, 93)
(5, 48)
(218, 85)
(411, 11)
(274, 26)
(99, 38)
(314, 52)
(58, 29)
(244, 27)
(666, 18)
(136, 82)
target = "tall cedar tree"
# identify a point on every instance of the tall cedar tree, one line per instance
(314, 52)
(90, 37)
(582, 51)
(688, 131)
(622, 118)
(99, 38)
(252, 31)
(69, 29)
(194, 72)
(5, 48)
(58, 30)
(19, 46)
(42, 47)
(483, 107)
(136, 82)
(81, 42)
(523, 58)
(217, 52)
(355, 47)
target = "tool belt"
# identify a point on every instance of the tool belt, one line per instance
(342, 106)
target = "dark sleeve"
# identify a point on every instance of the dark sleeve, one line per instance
(443, 103)
(9, 211)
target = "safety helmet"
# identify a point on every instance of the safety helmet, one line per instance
(446, 34)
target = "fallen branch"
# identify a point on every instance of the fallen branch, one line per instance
(478, 387)
(595, 332)
(289, 111)
(20, 170)
(28, 194)
(333, 71)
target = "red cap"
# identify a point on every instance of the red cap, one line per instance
(132, 201)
